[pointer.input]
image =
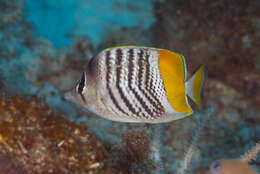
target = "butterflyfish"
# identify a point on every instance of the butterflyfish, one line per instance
(231, 166)
(236, 166)
(138, 84)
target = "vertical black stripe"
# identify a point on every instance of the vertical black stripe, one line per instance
(130, 68)
(157, 105)
(108, 73)
(140, 73)
(130, 83)
(147, 73)
(151, 89)
(118, 71)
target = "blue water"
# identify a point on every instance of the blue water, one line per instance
(62, 20)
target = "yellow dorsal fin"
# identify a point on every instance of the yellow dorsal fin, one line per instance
(173, 72)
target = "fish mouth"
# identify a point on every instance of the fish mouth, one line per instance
(73, 97)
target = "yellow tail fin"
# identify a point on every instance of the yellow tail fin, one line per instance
(194, 85)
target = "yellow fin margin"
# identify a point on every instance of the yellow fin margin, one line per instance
(197, 85)
(194, 85)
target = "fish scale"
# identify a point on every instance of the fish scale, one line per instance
(134, 86)
(153, 100)
(110, 76)
(132, 109)
(119, 86)
(132, 80)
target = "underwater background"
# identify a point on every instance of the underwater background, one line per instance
(46, 44)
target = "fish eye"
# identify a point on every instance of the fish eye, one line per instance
(81, 84)
(215, 167)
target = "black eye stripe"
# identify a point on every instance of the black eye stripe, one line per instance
(81, 84)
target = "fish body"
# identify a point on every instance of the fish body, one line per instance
(137, 84)
(230, 166)
(236, 166)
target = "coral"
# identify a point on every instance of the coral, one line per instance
(5, 144)
(194, 144)
(186, 163)
(36, 141)
(251, 154)
(14, 31)
(132, 156)
(137, 143)
(7, 165)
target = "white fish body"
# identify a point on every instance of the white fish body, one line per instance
(126, 84)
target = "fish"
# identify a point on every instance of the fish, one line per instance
(138, 84)
(231, 166)
(236, 166)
